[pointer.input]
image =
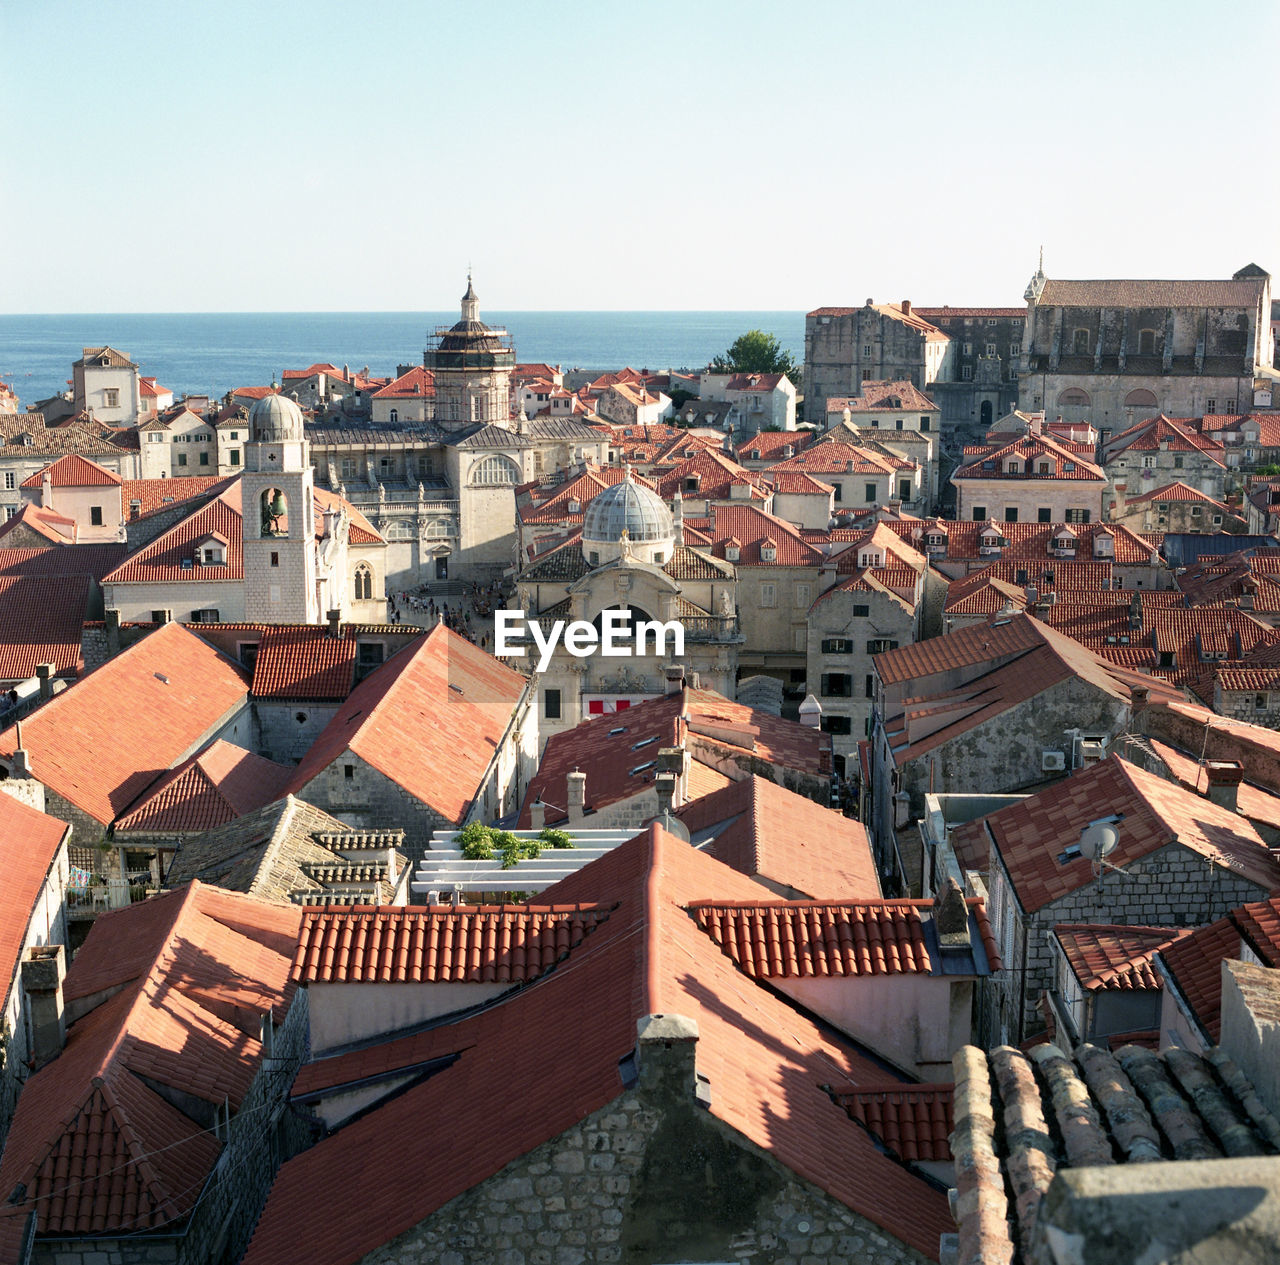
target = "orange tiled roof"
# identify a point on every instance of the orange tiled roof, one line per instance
(834, 456)
(716, 474)
(100, 753)
(417, 384)
(29, 843)
(503, 944)
(770, 443)
(913, 1123)
(41, 621)
(73, 471)
(766, 1059)
(1114, 957)
(617, 752)
(214, 786)
(894, 312)
(1193, 966)
(429, 719)
(154, 494)
(56, 528)
(1067, 462)
(161, 559)
(96, 1146)
(303, 661)
(764, 830)
(876, 397)
(751, 527)
(1038, 837)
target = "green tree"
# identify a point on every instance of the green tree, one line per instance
(757, 352)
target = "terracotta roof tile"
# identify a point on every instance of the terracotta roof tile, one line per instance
(94, 1143)
(429, 719)
(752, 528)
(42, 621)
(1109, 957)
(73, 471)
(912, 1122)
(213, 786)
(298, 661)
(766, 1060)
(878, 396)
(29, 844)
(101, 756)
(505, 944)
(155, 494)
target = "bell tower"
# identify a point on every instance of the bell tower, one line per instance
(277, 506)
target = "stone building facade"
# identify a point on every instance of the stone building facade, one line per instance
(1114, 352)
(652, 1177)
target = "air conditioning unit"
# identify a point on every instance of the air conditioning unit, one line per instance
(988, 549)
(1064, 553)
(1053, 761)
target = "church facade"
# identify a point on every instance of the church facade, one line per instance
(1116, 352)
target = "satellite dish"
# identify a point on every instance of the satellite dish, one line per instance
(1098, 840)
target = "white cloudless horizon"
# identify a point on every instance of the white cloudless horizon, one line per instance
(717, 156)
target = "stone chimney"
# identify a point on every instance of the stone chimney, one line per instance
(906, 307)
(666, 1057)
(20, 766)
(1225, 777)
(675, 678)
(811, 712)
(951, 917)
(44, 674)
(43, 970)
(577, 792)
(111, 620)
(537, 814)
(335, 622)
(666, 787)
(46, 490)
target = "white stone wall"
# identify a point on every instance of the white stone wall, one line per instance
(136, 602)
(1029, 496)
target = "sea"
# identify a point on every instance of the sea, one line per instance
(194, 353)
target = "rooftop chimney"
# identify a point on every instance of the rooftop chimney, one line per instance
(44, 674)
(577, 784)
(666, 786)
(335, 622)
(43, 970)
(906, 307)
(951, 916)
(1225, 777)
(20, 765)
(666, 1056)
(811, 712)
(537, 814)
(675, 678)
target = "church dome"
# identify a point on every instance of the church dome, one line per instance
(275, 419)
(626, 506)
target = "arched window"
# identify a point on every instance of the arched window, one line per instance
(438, 529)
(495, 471)
(1140, 399)
(273, 514)
(1147, 343)
(399, 529)
(1080, 342)
(363, 583)
(395, 416)
(1073, 395)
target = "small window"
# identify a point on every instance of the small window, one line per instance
(979, 513)
(837, 685)
(1010, 513)
(275, 559)
(1044, 514)
(182, 458)
(349, 772)
(924, 424)
(111, 397)
(991, 349)
(837, 645)
(204, 458)
(1146, 342)
(233, 457)
(871, 685)
(1080, 342)
(866, 375)
(370, 654)
(551, 704)
(1259, 702)
(966, 373)
(1077, 516)
(1015, 349)
(768, 595)
(870, 493)
(904, 490)
(879, 645)
(861, 611)
(95, 515)
(838, 725)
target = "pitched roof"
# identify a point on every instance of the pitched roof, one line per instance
(155, 494)
(29, 843)
(95, 1142)
(73, 471)
(752, 529)
(1128, 293)
(160, 560)
(101, 755)
(217, 784)
(913, 1123)
(417, 384)
(618, 754)
(42, 621)
(1176, 491)
(770, 443)
(503, 944)
(817, 939)
(765, 1059)
(876, 397)
(1065, 462)
(834, 456)
(46, 523)
(302, 661)
(429, 719)
(1114, 957)
(893, 311)
(1038, 837)
(763, 830)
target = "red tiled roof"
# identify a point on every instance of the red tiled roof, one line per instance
(104, 740)
(876, 397)
(752, 527)
(312, 370)
(833, 456)
(939, 313)
(794, 844)
(716, 473)
(429, 719)
(417, 384)
(798, 482)
(1114, 957)
(1033, 836)
(1194, 965)
(29, 843)
(161, 560)
(154, 494)
(41, 621)
(56, 528)
(210, 788)
(73, 471)
(771, 442)
(893, 311)
(618, 764)
(766, 1060)
(254, 393)
(96, 1144)
(912, 1122)
(1027, 449)
(503, 944)
(304, 662)
(1176, 491)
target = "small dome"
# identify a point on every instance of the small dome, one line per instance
(627, 506)
(275, 419)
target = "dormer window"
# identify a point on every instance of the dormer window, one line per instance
(1012, 467)
(1044, 467)
(732, 551)
(575, 505)
(768, 552)
(754, 455)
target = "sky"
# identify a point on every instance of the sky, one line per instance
(171, 156)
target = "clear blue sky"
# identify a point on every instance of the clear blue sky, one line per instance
(176, 156)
